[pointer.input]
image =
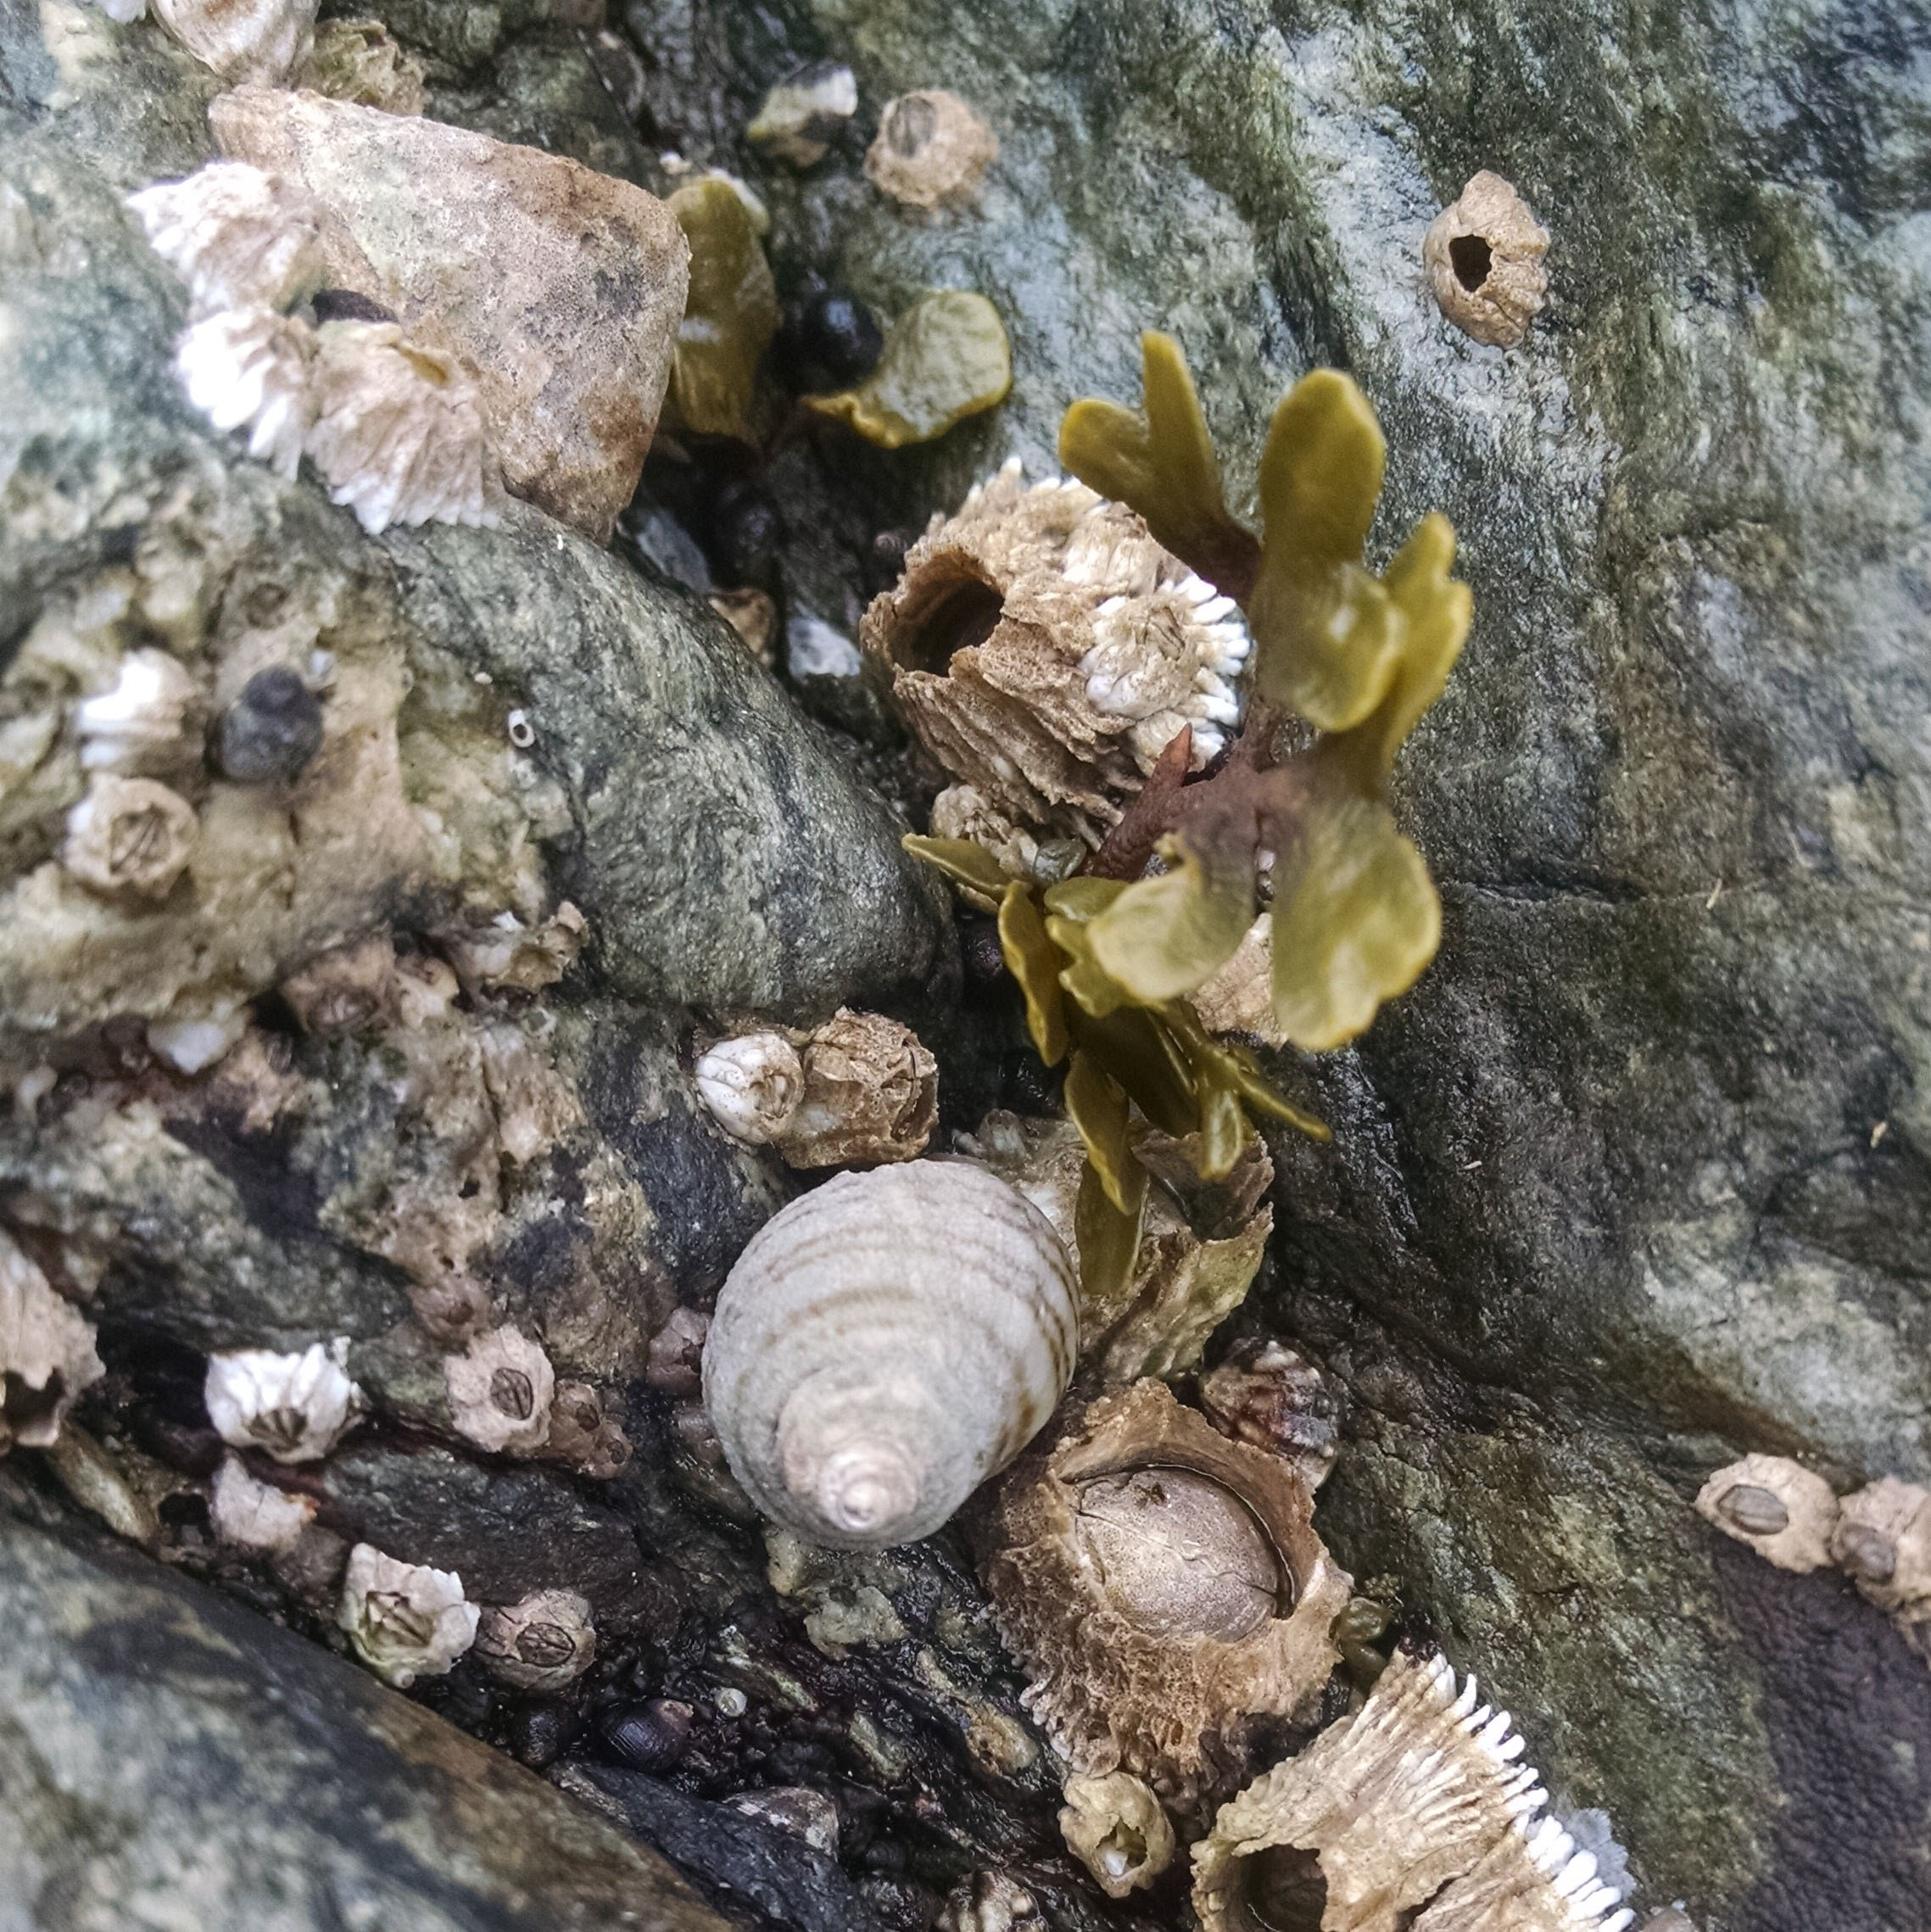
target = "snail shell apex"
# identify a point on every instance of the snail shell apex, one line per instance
(885, 1344)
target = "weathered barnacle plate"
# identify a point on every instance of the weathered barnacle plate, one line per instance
(944, 359)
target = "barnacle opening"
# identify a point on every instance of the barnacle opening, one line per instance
(1280, 1889)
(24, 1409)
(1470, 257)
(944, 617)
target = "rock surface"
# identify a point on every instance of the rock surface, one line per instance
(136, 1709)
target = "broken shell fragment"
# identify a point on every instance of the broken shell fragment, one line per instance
(543, 1643)
(248, 369)
(47, 1353)
(1045, 648)
(404, 1620)
(1777, 1506)
(802, 116)
(1390, 1811)
(944, 359)
(1882, 1541)
(870, 1095)
(398, 431)
(931, 149)
(796, 1808)
(243, 40)
(296, 1408)
(237, 237)
(128, 837)
(751, 1085)
(1116, 1828)
(1483, 254)
(356, 60)
(256, 1516)
(885, 1343)
(1265, 1394)
(501, 1389)
(1163, 1586)
(146, 723)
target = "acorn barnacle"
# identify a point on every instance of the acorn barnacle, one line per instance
(1484, 257)
(295, 1407)
(237, 237)
(501, 1388)
(1882, 1541)
(932, 149)
(885, 1344)
(243, 40)
(542, 1642)
(404, 1620)
(142, 723)
(1777, 1506)
(47, 1353)
(1046, 649)
(1164, 1585)
(751, 1084)
(248, 369)
(1412, 1812)
(1116, 1828)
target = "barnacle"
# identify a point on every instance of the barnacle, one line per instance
(349, 989)
(147, 724)
(542, 1642)
(1777, 1506)
(1882, 1541)
(295, 1407)
(256, 1516)
(47, 1353)
(931, 149)
(944, 359)
(801, 115)
(1265, 1394)
(1117, 1828)
(243, 40)
(505, 955)
(357, 60)
(248, 368)
(1412, 1812)
(501, 1388)
(404, 1620)
(128, 837)
(1164, 1585)
(751, 1085)
(730, 312)
(239, 238)
(1483, 254)
(870, 1095)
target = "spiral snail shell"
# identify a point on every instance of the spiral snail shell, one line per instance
(883, 1345)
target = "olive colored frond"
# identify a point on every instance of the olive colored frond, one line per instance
(730, 313)
(1034, 962)
(1163, 936)
(944, 359)
(1107, 1237)
(1097, 1105)
(971, 868)
(1437, 612)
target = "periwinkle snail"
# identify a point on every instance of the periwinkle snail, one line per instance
(886, 1343)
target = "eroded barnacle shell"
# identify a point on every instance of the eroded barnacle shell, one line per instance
(239, 238)
(885, 1343)
(296, 1408)
(248, 369)
(932, 148)
(542, 1642)
(404, 1620)
(349, 989)
(802, 116)
(1378, 1815)
(1483, 254)
(990, 1901)
(581, 1435)
(1118, 1830)
(128, 837)
(47, 1353)
(357, 60)
(1777, 1506)
(243, 40)
(870, 1095)
(256, 1516)
(1045, 650)
(963, 812)
(398, 431)
(501, 1388)
(751, 1085)
(505, 955)
(1264, 1394)
(1882, 1541)
(148, 723)
(1164, 1585)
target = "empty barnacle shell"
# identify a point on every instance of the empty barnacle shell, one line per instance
(751, 1085)
(1777, 1506)
(870, 1095)
(885, 1344)
(1882, 1541)
(802, 116)
(248, 369)
(398, 431)
(346, 990)
(128, 837)
(507, 956)
(1164, 1585)
(1118, 1830)
(542, 1642)
(146, 723)
(404, 1620)
(296, 1408)
(1387, 1809)
(1483, 254)
(256, 1516)
(1045, 650)
(990, 1901)
(1264, 1394)
(501, 1388)
(47, 1353)
(357, 60)
(931, 148)
(243, 40)
(237, 237)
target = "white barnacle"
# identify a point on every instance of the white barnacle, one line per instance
(1779, 1507)
(248, 369)
(256, 1516)
(404, 1620)
(239, 238)
(932, 149)
(542, 1642)
(243, 40)
(143, 723)
(47, 1353)
(501, 1388)
(129, 838)
(297, 1408)
(398, 430)
(751, 1085)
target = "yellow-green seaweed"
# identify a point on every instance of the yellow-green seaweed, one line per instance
(944, 359)
(730, 314)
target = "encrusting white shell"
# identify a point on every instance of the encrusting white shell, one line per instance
(751, 1085)
(1417, 1801)
(142, 723)
(1117, 1828)
(248, 368)
(1777, 1506)
(398, 431)
(243, 40)
(501, 1389)
(885, 1344)
(543, 1643)
(47, 1353)
(404, 1620)
(295, 1407)
(1882, 1543)
(256, 1516)
(239, 238)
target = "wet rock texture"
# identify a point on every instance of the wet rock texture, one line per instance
(1633, 1181)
